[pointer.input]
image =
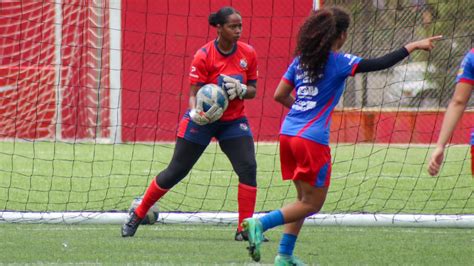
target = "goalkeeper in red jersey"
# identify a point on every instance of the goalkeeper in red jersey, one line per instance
(317, 75)
(231, 64)
(457, 105)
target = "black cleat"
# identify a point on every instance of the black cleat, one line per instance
(243, 236)
(129, 228)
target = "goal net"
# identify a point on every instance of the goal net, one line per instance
(91, 93)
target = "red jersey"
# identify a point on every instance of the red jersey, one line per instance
(241, 64)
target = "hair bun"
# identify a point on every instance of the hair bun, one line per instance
(212, 19)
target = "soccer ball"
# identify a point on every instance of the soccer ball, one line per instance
(151, 216)
(211, 94)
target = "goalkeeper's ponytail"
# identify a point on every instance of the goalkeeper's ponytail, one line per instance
(220, 17)
(317, 36)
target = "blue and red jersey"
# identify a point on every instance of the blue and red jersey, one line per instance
(241, 64)
(310, 115)
(466, 70)
(466, 75)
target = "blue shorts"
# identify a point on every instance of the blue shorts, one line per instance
(221, 130)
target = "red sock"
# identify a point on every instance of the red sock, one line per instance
(152, 195)
(246, 197)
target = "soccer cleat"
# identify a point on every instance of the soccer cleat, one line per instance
(243, 236)
(131, 226)
(253, 228)
(282, 260)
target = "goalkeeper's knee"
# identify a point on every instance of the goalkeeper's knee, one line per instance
(171, 176)
(247, 173)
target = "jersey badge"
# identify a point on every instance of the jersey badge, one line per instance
(243, 63)
(244, 126)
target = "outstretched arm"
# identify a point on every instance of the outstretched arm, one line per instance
(451, 118)
(388, 60)
(425, 44)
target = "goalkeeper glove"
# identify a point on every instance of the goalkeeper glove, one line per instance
(214, 113)
(202, 118)
(233, 87)
(199, 117)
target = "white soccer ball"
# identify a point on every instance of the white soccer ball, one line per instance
(211, 94)
(152, 214)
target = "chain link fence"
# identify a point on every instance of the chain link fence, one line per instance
(423, 81)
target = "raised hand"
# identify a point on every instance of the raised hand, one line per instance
(425, 44)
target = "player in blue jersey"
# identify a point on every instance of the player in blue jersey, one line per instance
(317, 75)
(457, 105)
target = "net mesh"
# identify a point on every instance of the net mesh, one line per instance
(55, 106)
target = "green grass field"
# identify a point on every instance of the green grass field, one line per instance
(44, 176)
(213, 245)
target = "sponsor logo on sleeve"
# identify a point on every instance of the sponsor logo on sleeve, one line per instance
(193, 72)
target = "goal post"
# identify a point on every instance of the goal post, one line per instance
(317, 4)
(228, 218)
(92, 92)
(115, 73)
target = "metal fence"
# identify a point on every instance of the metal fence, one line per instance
(424, 80)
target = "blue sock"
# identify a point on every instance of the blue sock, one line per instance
(287, 244)
(272, 219)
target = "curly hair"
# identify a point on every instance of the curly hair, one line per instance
(317, 36)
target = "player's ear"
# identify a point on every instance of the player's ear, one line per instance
(344, 35)
(342, 39)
